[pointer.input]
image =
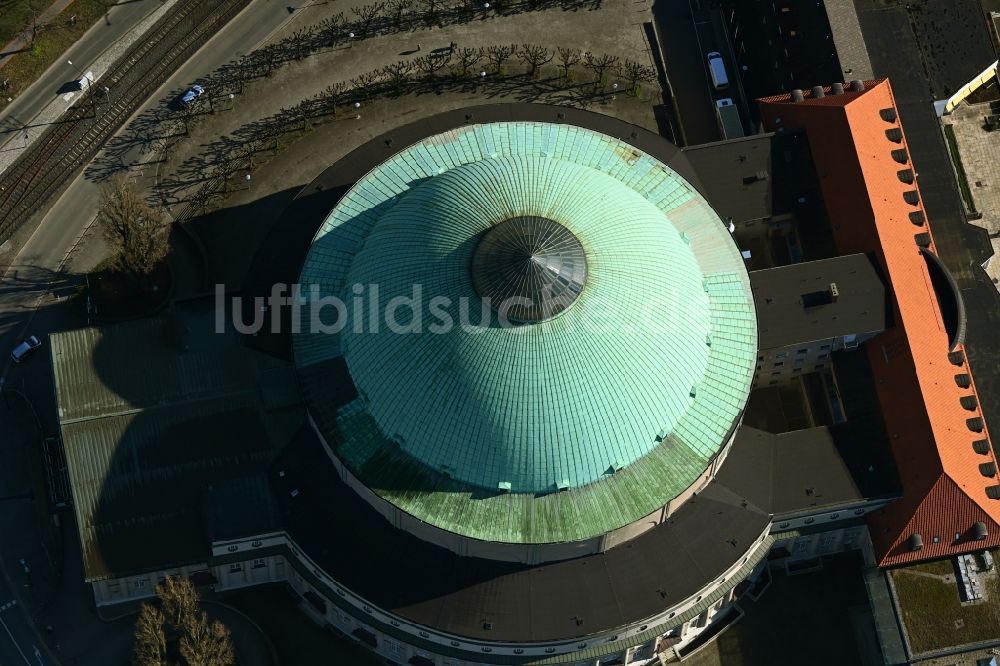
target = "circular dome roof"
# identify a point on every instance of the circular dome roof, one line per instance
(623, 386)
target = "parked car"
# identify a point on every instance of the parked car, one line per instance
(193, 93)
(717, 69)
(85, 81)
(26, 346)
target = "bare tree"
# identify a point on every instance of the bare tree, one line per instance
(636, 73)
(397, 8)
(499, 54)
(430, 8)
(568, 58)
(34, 27)
(181, 628)
(397, 74)
(331, 95)
(150, 640)
(599, 65)
(366, 16)
(534, 56)
(332, 29)
(178, 599)
(432, 63)
(300, 43)
(206, 643)
(133, 230)
(269, 57)
(364, 82)
(468, 58)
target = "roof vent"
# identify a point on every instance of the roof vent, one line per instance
(662, 435)
(616, 466)
(857, 85)
(834, 292)
(988, 469)
(562, 486)
(981, 446)
(923, 239)
(963, 380)
(894, 134)
(956, 358)
(888, 115)
(798, 95)
(837, 89)
(969, 402)
(901, 156)
(694, 391)
(979, 530)
(911, 197)
(917, 217)
(975, 424)
(916, 542)
(817, 92)
(504, 486)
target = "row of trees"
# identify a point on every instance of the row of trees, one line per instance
(388, 17)
(461, 63)
(455, 67)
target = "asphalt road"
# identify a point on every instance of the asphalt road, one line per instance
(35, 282)
(687, 70)
(119, 20)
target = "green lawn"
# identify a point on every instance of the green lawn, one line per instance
(52, 41)
(937, 567)
(935, 617)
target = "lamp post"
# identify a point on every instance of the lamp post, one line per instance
(248, 182)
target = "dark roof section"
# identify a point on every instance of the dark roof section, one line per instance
(437, 588)
(280, 256)
(797, 304)
(241, 507)
(147, 427)
(736, 176)
(798, 472)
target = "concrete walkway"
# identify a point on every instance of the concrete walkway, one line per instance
(21, 41)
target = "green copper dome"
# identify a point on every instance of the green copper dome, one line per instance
(554, 311)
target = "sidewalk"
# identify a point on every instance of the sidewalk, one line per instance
(21, 41)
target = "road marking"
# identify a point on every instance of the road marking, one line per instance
(19, 650)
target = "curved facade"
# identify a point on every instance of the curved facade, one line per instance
(515, 430)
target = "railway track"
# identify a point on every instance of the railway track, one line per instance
(69, 144)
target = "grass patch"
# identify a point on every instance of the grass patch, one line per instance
(936, 567)
(935, 617)
(25, 67)
(956, 159)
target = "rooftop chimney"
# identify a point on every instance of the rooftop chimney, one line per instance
(857, 85)
(817, 92)
(837, 89)
(798, 95)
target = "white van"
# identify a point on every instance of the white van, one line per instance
(717, 69)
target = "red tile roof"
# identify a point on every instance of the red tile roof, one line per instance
(853, 137)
